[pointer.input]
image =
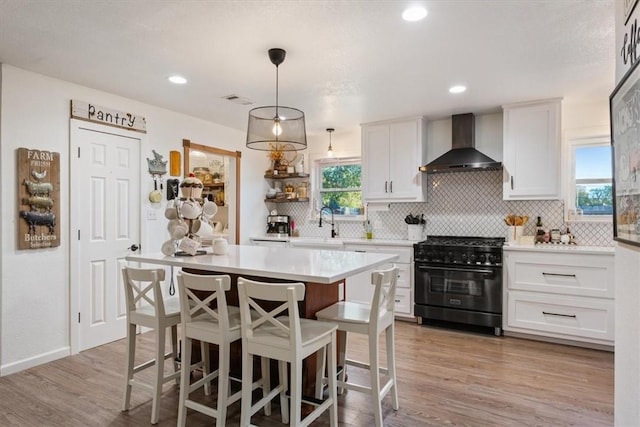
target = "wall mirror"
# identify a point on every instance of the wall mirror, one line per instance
(219, 171)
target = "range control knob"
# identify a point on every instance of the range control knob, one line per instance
(473, 257)
(463, 257)
(494, 259)
(483, 258)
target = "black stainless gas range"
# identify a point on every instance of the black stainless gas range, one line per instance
(459, 279)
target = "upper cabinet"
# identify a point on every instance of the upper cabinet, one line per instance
(532, 150)
(392, 151)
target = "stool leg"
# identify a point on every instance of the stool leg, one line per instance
(157, 383)
(130, 358)
(265, 373)
(174, 350)
(284, 383)
(374, 371)
(205, 355)
(223, 383)
(332, 382)
(391, 365)
(295, 400)
(342, 357)
(247, 384)
(321, 358)
(185, 376)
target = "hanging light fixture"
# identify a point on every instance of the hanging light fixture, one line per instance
(276, 126)
(330, 150)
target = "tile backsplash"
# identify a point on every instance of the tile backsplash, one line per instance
(459, 204)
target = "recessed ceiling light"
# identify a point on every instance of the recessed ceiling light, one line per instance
(414, 13)
(179, 80)
(457, 89)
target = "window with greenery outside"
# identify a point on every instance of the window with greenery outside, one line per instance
(340, 187)
(593, 188)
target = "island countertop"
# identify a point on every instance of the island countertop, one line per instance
(305, 265)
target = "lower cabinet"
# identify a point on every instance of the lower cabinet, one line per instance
(564, 296)
(359, 287)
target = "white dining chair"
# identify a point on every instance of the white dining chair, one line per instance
(288, 339)
(146, 307)
(206, 317)
(370, 320)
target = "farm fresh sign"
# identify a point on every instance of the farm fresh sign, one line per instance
(38, 199)
(97, 114)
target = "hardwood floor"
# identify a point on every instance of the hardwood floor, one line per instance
(445, 378)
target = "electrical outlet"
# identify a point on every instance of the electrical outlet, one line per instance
(152, 215)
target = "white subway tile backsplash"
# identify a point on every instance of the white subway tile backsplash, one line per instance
(458, 204)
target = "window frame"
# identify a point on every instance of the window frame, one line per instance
(571, 182)
(316, 175)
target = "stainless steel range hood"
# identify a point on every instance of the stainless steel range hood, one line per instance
(463, 156)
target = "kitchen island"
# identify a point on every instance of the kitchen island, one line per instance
(323, 272)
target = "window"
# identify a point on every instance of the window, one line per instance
(591, 187)
(340, 186)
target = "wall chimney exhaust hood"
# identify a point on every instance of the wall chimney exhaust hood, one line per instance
(463, 156)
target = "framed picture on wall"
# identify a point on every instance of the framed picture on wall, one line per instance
(624, 108)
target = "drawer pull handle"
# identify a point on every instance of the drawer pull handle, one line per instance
(360, 251)
(397, 300)
(558, 274)
(558, 314)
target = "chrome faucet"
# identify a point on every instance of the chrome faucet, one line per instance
(333, 230)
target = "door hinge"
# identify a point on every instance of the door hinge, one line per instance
(78, 317)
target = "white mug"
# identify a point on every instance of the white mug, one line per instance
(178, 230)
(202, 228)
(168, 248)
(170, 212)
(189, 245)
(190, 209)
(209, 209)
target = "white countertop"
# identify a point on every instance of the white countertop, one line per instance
(555, 248)
(305, 265)
(338, 241)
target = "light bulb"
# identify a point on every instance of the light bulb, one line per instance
(277, 127)
(330, 151)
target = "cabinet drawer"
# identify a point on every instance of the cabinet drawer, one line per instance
(581, 275)
(403, 301)
(405, 254)
(404, 275)
(575, 316)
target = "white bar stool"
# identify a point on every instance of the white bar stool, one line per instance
(288, 339)
(221, 326)
(146, 307)
(370, 320)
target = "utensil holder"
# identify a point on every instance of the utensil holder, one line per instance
(415, 232)
(513, 233)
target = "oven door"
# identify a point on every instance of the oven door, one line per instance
(473, 287)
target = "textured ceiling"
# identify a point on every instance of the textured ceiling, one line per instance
(348, 62)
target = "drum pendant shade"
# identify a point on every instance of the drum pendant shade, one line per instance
(279, 126)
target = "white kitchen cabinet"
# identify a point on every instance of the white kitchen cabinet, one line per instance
(531, 150)
(359, 287)
(391, 154)
(560, 295)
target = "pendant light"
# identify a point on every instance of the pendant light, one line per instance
(276, 126)
(330, 150)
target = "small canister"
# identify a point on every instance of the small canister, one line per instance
(555, 235)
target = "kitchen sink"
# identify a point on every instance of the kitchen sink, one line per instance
(316, 242)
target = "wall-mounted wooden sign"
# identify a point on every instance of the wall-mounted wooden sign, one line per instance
(97, 114)
(38, 199)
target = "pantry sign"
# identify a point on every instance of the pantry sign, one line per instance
(97, 114)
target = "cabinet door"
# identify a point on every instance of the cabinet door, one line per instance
(532, 151)
(375, 162)
(404, 150)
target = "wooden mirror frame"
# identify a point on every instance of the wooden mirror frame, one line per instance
(187, 146)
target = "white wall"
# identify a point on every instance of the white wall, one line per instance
(627, 271)
(34, 284)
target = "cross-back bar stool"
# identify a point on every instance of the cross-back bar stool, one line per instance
(371, 320)
(146, 307)
(288, 339)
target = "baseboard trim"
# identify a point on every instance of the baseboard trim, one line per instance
(21, 365)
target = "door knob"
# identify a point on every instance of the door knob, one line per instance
(133, 247)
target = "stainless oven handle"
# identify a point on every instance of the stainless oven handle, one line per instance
(463, 270)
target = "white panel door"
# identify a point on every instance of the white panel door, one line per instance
(375, 167)
(404, 160)
(105, 195)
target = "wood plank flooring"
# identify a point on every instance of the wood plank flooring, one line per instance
(445, 377)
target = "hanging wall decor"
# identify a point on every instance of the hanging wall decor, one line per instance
(38, 199)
